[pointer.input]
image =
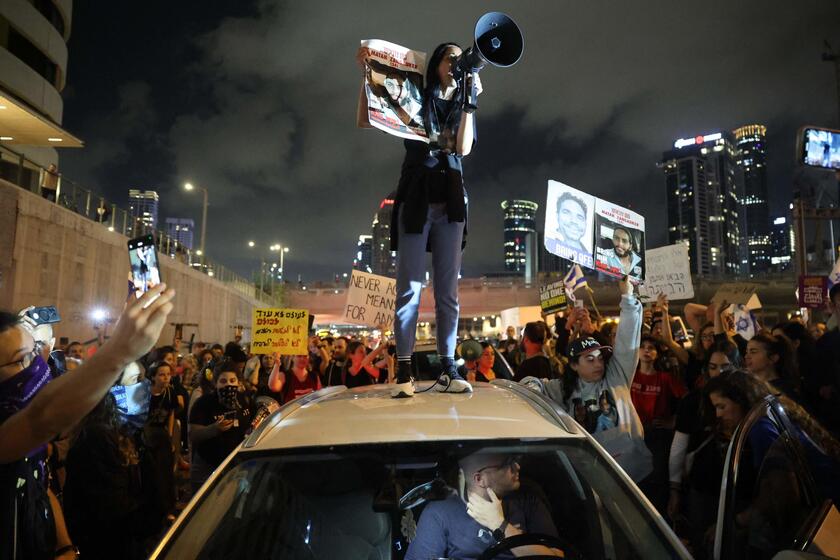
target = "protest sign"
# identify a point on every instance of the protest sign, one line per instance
(813, 291)
(619, 241)
(280, 330)
(834, 275)
(394, 89)
(553, 297)
(667, 272)
(569, 223)
(741, 293)
(371, 300)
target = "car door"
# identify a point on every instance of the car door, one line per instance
(768, 503)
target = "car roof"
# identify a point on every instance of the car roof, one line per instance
(341, 416)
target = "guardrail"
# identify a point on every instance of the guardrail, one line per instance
(28, 175)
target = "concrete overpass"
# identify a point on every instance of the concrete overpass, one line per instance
(486, 297)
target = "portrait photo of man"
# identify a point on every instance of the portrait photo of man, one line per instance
(620, 248)
(569, 223)
(624, 254)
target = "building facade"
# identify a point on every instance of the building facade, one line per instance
(143, 209)
(751, 144)
(33, 71)
(781, 243)
(181, 230)
(520, 237)
(701, 181)
(364, 248)
(383, 260)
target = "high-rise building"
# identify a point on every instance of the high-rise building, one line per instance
(701, 182)
(781, 243)
(520, 234)
(33, 73)
(751, 144)
(143, 209)
(363, 253)
(181, 230)
(383, 260)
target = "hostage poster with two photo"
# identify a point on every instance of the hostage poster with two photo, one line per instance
(394, 89)
(594, 233)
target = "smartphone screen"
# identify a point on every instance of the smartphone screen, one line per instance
(820, 147)
(143, 263)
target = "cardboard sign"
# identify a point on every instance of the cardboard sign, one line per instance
(280, 330)
(371, 300)
(740, 293)
(813, 291)
(667, 273)
(553, 297)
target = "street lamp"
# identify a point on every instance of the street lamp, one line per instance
(190, 187)
(275, 248)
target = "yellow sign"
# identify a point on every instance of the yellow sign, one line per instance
(280, 330)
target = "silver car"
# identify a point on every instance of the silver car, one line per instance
(345, 474)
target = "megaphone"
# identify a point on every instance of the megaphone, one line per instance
(498, 41)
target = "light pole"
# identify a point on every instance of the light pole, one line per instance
(190, 187)
(275, 248)
(283, 250)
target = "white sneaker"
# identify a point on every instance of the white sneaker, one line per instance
(447, 383)
(402, 390)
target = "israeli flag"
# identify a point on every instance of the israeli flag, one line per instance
(574, 279)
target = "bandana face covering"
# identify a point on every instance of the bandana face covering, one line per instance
(228, 396)
(17, 391)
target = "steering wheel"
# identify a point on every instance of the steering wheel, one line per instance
(571, 553)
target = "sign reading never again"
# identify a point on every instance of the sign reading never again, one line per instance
(371, 300)
(553, 297)
(282, 331)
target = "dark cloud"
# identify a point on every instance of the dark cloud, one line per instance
(258, 106)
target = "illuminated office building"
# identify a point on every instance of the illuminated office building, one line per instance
(364, 250)
(383, 260)
(521, 247)
(143, 209)
(181, 230)
(751, 144)
(701, 180)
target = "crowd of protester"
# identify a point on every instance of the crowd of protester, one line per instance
(111, 449)
(686, 397)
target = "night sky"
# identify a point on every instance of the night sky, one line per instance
(256, 102)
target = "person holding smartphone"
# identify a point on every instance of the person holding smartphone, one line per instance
(218, 423)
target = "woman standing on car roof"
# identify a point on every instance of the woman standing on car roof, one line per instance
(430, 214)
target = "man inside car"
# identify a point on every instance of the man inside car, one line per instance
(492, 507)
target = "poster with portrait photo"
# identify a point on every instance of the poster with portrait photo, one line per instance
(569, 223)
(619, 241)
(394, 89)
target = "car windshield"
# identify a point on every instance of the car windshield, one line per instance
(369, 501)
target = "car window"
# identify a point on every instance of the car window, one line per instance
(774, 495)
(368, 501)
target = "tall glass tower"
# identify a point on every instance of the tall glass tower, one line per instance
(521, 248)
(701, 182)
(751, 143)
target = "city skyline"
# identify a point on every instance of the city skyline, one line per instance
(221, 98)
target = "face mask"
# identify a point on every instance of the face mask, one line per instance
(228, 397)
(17, 391)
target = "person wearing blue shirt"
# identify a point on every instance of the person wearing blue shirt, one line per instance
(494, 507)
